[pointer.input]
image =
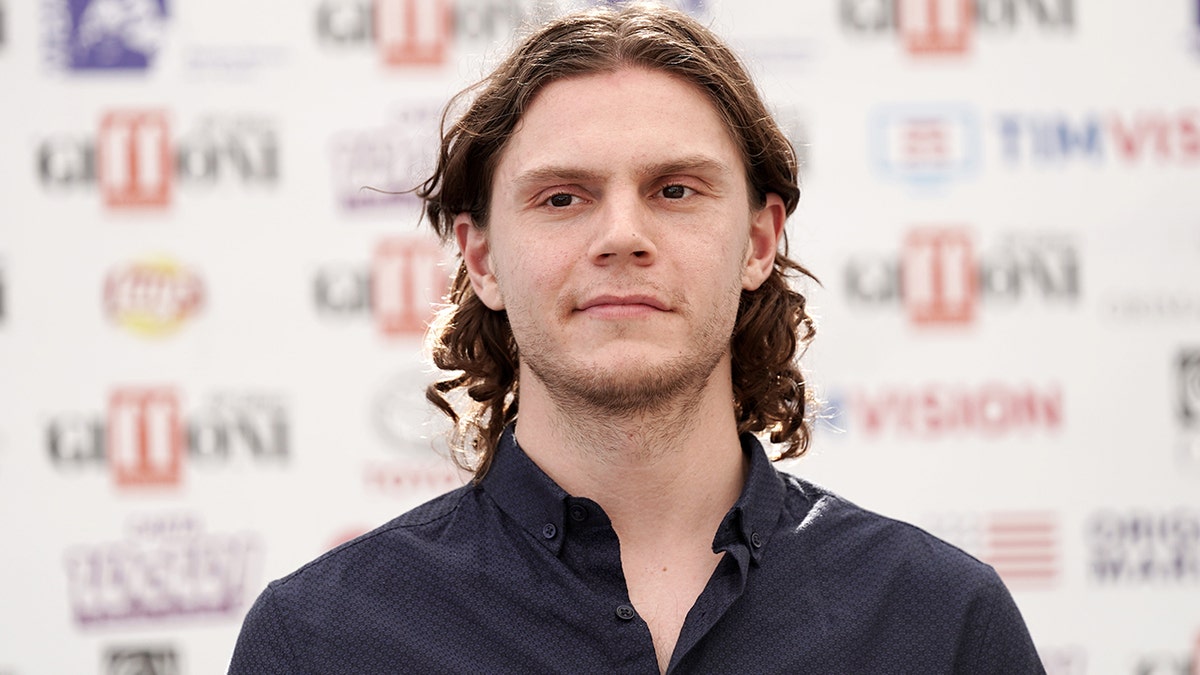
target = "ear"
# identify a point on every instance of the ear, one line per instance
(766, 227)
(477, 258)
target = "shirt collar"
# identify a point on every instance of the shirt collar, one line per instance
(755, 515)
(532, 499)
(523, 491)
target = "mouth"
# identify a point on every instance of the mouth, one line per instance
(618, 306)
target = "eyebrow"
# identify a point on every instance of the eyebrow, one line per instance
(688, 164)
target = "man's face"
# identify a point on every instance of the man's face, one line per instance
(620, 237)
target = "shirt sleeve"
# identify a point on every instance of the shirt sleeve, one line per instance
(263, 645)
(996, 639)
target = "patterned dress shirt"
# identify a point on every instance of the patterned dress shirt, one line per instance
(513, 575)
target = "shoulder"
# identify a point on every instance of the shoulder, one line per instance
(845, 537)
(307, 620)
(406, 539)
(905, 594)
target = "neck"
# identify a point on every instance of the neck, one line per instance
(677, 467)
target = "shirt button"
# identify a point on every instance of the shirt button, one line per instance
(755, 540)
(578, 513)
(625, 612)
(549, 531)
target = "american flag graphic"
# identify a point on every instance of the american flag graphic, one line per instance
(1023, 547)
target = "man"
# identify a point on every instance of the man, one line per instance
(618, 193)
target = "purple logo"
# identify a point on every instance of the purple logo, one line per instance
(167, 567)
(89, 35)
(380, 167)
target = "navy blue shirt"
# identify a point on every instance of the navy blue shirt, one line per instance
(513, 575)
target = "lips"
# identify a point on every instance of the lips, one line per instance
(630, 301)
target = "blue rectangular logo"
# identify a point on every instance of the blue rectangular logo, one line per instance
(925, 144)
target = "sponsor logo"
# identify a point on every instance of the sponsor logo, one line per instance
(146, 441)
(951, 27)
(794, 122)
(346, 534)
(152, 297)
(1167, 664)
(1063, 660)
(92, 35)
(156, 660)
(380, 167)
(990, 410)
(1196, 46)
(1188, 397)
(165, 567)
(926, 145)
(1162, 137)
(401, 415)
(1144, 547)
(1154, 306)
(943, 278)
(400, 288)
(404, 420)
(405, 479)
(1189, 388)
(425, 33)
(137, 161)
(1023, 547)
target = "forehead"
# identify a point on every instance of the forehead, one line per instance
(610, 121)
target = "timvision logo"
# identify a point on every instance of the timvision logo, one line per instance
(103, 35)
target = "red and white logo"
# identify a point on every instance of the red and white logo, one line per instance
(407, 280)
(1023, 547)
(923, 142)
(936, 26)
(414, 32)
(1196, 656)
(134, 158)
(940, 276)
(145, 437)
(936, 410)
(153, 297)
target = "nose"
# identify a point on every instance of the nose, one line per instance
(624, 233)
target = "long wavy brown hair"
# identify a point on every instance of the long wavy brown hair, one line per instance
(476, 343)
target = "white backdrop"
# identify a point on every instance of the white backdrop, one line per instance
(210, 335)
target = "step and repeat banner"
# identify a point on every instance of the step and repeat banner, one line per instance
(213, 293)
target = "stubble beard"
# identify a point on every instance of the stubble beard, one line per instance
(636, 387)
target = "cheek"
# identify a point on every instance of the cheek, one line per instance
(528, 275)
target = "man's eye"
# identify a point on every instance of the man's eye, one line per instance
(675, 191)
(561, 199)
